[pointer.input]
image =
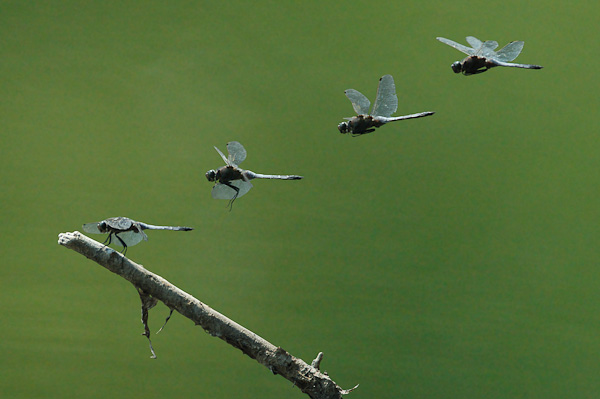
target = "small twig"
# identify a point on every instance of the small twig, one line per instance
(347, 391)
(307, 378)
(168, 317)
(317, 362)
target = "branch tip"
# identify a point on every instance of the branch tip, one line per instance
(347, 391)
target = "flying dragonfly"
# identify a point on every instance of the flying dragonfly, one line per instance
(233, 182)
(386, 103)
(482, 56)
(128, 232)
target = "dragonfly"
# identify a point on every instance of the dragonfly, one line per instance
(482, 56)
(231, 182)
(386, 103)
(127, 232)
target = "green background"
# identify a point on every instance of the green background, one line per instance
(453, 256)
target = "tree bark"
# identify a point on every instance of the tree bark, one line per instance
(307, 377)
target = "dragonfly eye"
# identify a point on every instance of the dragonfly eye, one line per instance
(343, 127)
(456, 67)
(211, 175)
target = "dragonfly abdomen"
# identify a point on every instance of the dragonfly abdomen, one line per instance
(251, 175)
(146, 226)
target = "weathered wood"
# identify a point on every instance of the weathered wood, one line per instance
(308, 378)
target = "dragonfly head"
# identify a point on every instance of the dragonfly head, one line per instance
(344, 127)
(211, 175)
(102, 227)
(457, 67)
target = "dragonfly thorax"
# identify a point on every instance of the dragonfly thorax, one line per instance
(473, 65)
(360, 124)
(228, 173)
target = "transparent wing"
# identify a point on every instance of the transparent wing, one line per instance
(487, 49)
(222, 156)
(360, 103)
(222, 191)
(490, 44)
(236, 151)
(510, 51)
(458, 46)
(386, 102)
(130, 238)
(91, 228)
(244, 187)
(475, 43)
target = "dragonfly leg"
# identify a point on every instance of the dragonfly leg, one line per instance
(108, 239)
(122, 243)
(365, 132)
(480, 71)
(237, 191)
(488, 65)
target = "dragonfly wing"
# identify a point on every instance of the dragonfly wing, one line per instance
(360, 103)
(140, 230)
(130, 238)
(510, 51)
(458, 46)
(223, 191)
(490, 44)
(386, 102)
(487, 49)
(91, 228)
(222, 156)
(237, 152)
(244, 187)
(475, 43)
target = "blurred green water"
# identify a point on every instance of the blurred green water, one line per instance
(452, 256)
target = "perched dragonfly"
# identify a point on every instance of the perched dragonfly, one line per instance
(482, 56)
(386, 103)
(233, 182)
(127, 232)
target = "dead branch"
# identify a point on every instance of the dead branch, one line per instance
(308, 378)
